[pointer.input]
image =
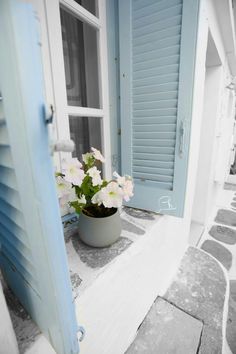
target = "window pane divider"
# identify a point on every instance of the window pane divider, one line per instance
(81, 13)
(85, 112)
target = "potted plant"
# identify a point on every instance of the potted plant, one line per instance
(96, 200)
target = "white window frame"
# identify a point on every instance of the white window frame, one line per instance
(62, 109)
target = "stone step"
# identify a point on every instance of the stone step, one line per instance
(191, 316)
(167, 329)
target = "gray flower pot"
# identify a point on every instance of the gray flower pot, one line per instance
(99, 232)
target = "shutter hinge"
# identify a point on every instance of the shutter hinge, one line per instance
(82, 331)
(48, 113)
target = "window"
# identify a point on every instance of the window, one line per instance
(77, 41)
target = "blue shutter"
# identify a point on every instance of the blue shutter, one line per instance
(157, 59)
(32, 249)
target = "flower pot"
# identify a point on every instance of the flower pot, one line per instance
(99, 232)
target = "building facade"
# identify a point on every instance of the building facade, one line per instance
(150, 84)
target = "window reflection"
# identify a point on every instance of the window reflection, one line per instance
(85, 132)
(80, 49)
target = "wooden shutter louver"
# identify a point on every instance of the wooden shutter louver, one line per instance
(32, 249)
(15, 247)
(156, 33)
(157, 58)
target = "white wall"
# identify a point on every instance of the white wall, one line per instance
(203, 186)
(217, 124)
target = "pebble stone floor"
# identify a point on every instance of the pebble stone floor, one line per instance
(219, 240)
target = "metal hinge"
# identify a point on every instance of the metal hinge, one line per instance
(82, 331)
(48, 113)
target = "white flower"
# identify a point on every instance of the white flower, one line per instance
(128, 190)
(87, 157)
(110, 196)
(63, 187)
(120, 180)
(72, 170)
(97, 198)
(82, 199)
(95, 175)
(97, 155)
(126, 184)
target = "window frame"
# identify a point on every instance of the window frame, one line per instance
(62, 109)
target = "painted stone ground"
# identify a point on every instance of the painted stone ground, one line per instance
(192, 310)
(220, 241)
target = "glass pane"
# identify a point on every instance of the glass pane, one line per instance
(86, 133)
(80, 48)
(90, 5)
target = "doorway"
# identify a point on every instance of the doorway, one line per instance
(204, 187)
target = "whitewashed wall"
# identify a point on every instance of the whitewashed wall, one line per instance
(217, 124)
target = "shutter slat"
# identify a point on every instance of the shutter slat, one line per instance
(2, 118)
(143, 106)
(152, 170)
(154, 178)
(156, 27)
(154, 150)
(21, 253)
(154, 38)
(154, 142)
(161, 43)
(140, 4)
(8, 177)
(155, 136)
(4, 139)
(154, 112)
(153, 63)
(5, 157)
(16, 242)
(25, 273)
(161, 52)
(149, 6)
(158, 96)
(148, 82)
(11, 212)
(13, 228)
(10, 196)
(163, 89)
(140, 77)
(167, 165)
(153, 156)
(154, 128)
(152, 18)
(155, 120)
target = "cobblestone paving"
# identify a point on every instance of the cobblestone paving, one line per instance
(220, 242)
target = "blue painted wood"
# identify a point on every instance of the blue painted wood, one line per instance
(32, 257)
(157, 60)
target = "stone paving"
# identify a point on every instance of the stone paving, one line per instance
(163, 319)
(192, 310)
(220, 241)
